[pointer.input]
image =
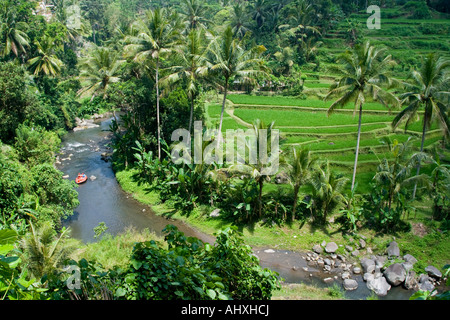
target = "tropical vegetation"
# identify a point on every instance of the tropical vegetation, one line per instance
(361, 117)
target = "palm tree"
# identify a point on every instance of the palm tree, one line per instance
(428, 90)
(230, 59)
(192, 67)
(258, 11)
(195, 12)
(153, 37)
(12, 33)
(300, 170)
(46, 62)
(43, 251)
(257, 170)
(395, 176)
(327, 191)
(239, 21)
(98, 70)
(364, 69)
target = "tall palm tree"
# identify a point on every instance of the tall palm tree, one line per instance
(300, 170)
(153, 37)
(46, 62)
(364, 68)
(229, 59)
(258, 12)
(195, 14)
(239, 20)
(192, 66)
(12, 33)
(98, 70)
(430, 92)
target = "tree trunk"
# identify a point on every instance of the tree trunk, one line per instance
(191, 116)
(295, 202)
(157, 109)
(261, 182)
(357, 147)
(421, 150)
(223, 109)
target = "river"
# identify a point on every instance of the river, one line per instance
(103, 200)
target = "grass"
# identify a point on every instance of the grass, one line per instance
(301, 118)
(301, 291)
(115, 251)
(294, 102)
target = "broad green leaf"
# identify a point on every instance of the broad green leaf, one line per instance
(4, 249)
(8, 236)
(211, 293)
(136, 264)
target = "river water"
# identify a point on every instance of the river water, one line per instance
(103, 200)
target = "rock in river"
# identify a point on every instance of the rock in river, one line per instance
(395, 274)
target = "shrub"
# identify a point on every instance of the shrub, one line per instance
(191, 269)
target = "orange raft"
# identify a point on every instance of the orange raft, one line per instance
(81, 178)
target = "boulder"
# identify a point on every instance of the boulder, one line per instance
(410, 281)
(331, 247)
(395, 274)
(393, 250)
(409, 258)
(328, 280)
(350, 284)
(317, 249)
(378, 284)
(356, 270)
(425, 283)
(380, 261)
(345, 275)
(368, 265)
(433, 272)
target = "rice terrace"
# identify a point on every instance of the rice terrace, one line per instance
(117, 122)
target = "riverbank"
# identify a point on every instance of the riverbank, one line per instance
(294, 237)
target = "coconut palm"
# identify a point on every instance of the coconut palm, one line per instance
(364, 69)
(230, 59)
(257, 169)
(46, 62)
(239, 20)
(43, 251)
(428, 91)
(299, 171)
(192, 67)
(153, 37)
(195, 14)
(327, 191)
(394, 177)
(12, 33)
(98, 70)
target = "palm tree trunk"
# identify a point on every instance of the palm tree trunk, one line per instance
(421, 150)
(191, 116)
(295, 202)
(261, 182)
(223, 107)
(157, 108)
(357, 147)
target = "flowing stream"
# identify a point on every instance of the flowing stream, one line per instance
(103, 200)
